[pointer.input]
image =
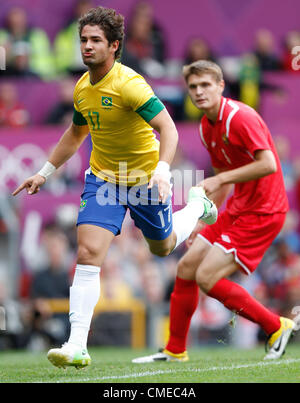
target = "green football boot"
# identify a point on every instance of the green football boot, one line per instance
(69, 355)
(210, 214)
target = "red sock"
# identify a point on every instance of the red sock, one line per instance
(237, 299)
(184, 301)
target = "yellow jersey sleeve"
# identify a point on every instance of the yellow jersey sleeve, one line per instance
(139, 96)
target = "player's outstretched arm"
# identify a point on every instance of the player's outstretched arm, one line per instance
(264, 164)
(65, 148)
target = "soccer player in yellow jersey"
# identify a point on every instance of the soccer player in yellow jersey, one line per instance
(129, 168)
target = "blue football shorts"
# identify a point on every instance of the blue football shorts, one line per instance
(104, 204)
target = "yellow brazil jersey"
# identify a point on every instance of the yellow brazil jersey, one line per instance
(117, 109)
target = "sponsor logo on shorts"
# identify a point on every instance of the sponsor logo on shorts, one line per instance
(226, 238)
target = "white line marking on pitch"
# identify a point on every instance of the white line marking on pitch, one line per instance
(172, 371)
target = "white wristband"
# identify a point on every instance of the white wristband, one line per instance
(47, 170)
(163, 168)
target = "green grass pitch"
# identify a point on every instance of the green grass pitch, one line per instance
(113, 365)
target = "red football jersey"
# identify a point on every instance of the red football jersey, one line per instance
(231, 142)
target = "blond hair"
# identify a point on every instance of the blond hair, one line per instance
(203, 67)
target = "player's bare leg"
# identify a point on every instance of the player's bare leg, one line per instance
(93, 244)
(162, 247)
(190, 261)
(215, 265)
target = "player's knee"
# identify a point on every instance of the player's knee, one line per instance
(204, 280)
(189, 263)
(87, 254)
(161, 248)
(185, 269)
(160, 252)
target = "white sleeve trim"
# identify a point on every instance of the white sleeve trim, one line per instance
(204, 239)
(202, 135)
(235, 109)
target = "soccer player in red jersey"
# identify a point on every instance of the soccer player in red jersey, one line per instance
(242, 154)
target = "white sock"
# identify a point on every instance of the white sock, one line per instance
(185, 220)
(84, 295)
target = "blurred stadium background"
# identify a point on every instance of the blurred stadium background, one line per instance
(254, 42)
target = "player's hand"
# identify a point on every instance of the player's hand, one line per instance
(164, 186)
(199, 226)
(211, 185)
(32, 185)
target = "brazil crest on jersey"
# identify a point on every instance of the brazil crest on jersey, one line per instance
(117, 109)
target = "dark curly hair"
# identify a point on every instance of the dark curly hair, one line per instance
(111, 23)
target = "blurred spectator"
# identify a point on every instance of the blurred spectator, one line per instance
(152, 284)
(16, 321)
(51, 282)
(113, 286)
(67, 43)
(62, 112)
(12, 112)
(250, 81)
(20, 63)
(66, 218)
(137, 253)
(144, 47)
(144, 51)
(289, 231)
(196, 49)
(62, 181)
(264, 50)
(282, 145)
(291, 40)
(28, 49)
(262, 59)
(282, 279)
(296, 164)
(231, 66)
(65, 178)
(280, 269)
(112, 327)
(152, 293)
